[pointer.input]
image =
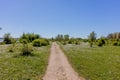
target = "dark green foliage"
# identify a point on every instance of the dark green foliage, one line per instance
(63, 42)
(36, 43)
(66, 37)
(44, 42)
(116, 43)
(7, 38)
(29, 37)
(26, 49)
(92, 38)
(61, 37)
(24, 41)
(101, 42)
(40, 42)
(77, 42)
(52, 39)
(70, 41)
(115, 35)
(85, 40)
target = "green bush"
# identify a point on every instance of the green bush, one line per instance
(63, 42)
(101, 42)
(26, 49)
(23, 41)
(10, 49)
(40, 42)
(8, 39)
(36, 43)
(44, 42)
(116, 43)
(70, 42)
(76, 42)
(29, 37)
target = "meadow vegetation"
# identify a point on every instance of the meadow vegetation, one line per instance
(95, 58)
(14, 66)
(98, 63)
(26, 58)
(20, 60)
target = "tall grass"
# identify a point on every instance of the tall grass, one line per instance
(98, 63)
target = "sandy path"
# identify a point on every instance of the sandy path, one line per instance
(59, 67)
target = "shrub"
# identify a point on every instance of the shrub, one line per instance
(10, 49)
(7, 38)
(115, 43)
(70, 42)
(40, 42)
(26, 49)
(118, 43)
(44, 42)
(24, 41)
(64, 42)
(101, 42)
(76, 42)
(29, 37)
(37, 43)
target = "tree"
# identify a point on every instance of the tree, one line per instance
(110, 36)
(29, 37)
(101, 42)
(114, 36)
(59, 37)
(92, 38)
(66, 37)
(7, 38)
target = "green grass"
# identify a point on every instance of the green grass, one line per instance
(16, 67)
(98, 63)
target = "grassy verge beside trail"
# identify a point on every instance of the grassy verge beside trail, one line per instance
(16, 67)
(98, 63)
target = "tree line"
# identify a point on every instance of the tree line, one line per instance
(110, 39)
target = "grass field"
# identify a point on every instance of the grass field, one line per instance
(98, 63)
(16, 67)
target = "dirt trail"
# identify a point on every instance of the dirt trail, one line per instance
(59, 67)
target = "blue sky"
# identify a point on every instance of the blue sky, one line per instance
(51, 17)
